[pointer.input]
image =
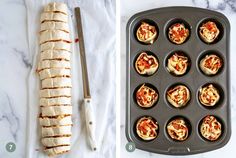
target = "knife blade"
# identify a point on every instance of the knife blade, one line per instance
(88, 108)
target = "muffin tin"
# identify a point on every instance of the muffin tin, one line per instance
(162, 80)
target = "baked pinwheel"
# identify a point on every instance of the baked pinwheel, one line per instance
(178, 96)
(146, 64)
(211, 64)
(147, 128)
(211, 128)
(146, 33)
(178, 64)
(209, 32)
(178, 33)
(146, 97)
(209, 95)
(178, 129)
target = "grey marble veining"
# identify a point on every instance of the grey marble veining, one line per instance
(227, 7)
(8, 115)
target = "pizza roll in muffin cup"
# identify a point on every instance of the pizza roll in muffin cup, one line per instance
(178, 96)
(178, 64)
(178, 129)
(147, 128)
(209, 95)
(178, 33)
(146, 64)
(209, 32)
(146, 96)
(211, 128)
(211, 64)
(146, 33)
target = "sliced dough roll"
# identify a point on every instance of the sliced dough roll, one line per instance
(55, 101)
(47, 64)
(60, 45)
(57, 150)
(55, 141)
(54, 35)
(56, 110)
(59, 92)
(56, 7)
(56, 121)
(54, 72)
(56, 131)
(51, 16)
(53, 25)
(59, 82)
(55, 54)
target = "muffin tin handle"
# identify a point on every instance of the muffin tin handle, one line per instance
(178, 150)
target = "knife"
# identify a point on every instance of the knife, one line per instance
(88, 108)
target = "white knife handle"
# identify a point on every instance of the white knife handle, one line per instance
(90, 123)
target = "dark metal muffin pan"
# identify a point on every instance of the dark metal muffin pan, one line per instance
(162, 112)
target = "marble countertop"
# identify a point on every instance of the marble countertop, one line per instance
(16, 62)
(228, 8)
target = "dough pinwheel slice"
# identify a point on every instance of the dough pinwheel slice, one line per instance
(59, 92)
(56, 7)
(53, 25)
(56, 110)
(178, 64)
(209, 32)
(56, 131)
(51, 16)
(55, 121)
(209, 95)
(178, 33)
(55, 54)
(55, 141)
(58, 82)
(54, 72)
(211, 128)
(55, 101)
(178, 129)
(146, 97)
(146, 33)
(54, 35)
(211, 64)
(146, 64)
(59, 45)
(53, 151)
(147, 128)
(178, 96)
(47, 64)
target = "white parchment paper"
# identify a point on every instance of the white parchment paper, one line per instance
(98, 18)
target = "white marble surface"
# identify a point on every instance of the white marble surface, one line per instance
(17, 116)
(129, 8)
